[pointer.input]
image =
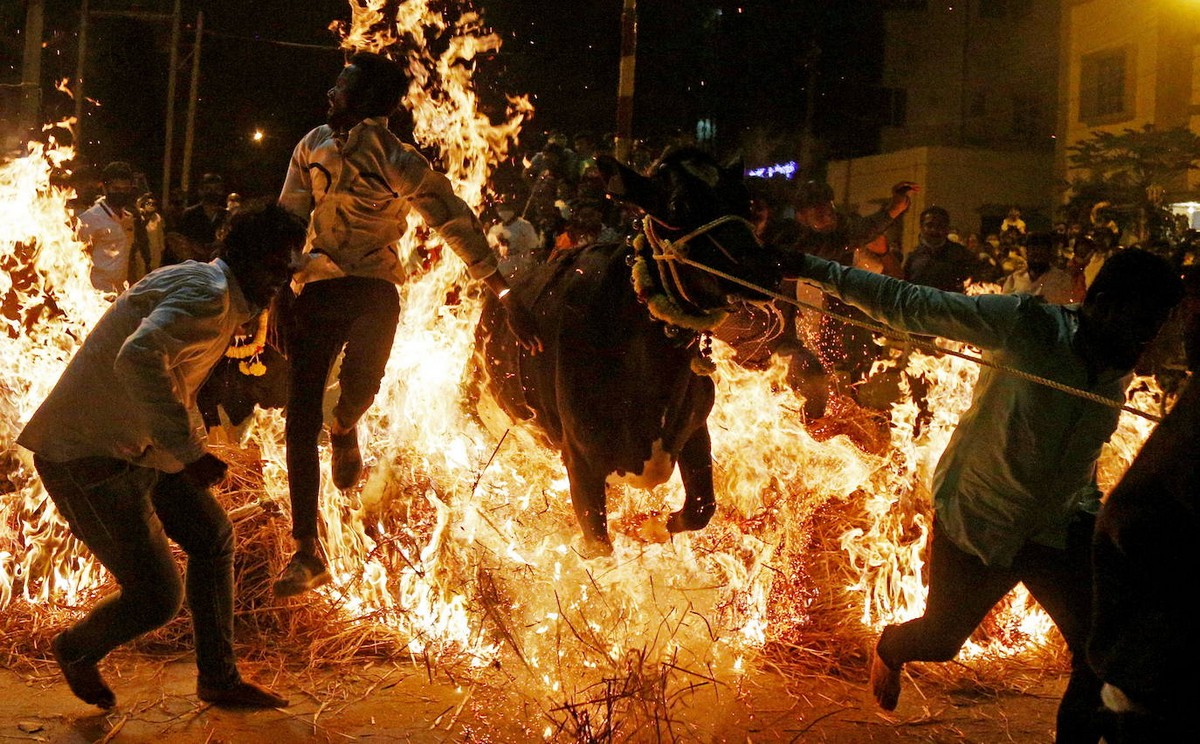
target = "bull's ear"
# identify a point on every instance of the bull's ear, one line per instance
(626, 184)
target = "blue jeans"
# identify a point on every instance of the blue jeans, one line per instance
(124, 514)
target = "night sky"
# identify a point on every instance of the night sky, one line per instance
(741, 65)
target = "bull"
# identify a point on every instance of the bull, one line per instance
(618, 388)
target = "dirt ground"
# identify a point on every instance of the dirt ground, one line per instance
(385, 702)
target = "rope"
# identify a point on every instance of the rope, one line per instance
(672, 255)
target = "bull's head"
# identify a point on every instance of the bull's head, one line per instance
(685, 198)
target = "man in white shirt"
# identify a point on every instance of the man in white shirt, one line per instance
(131, 472)
(107, 228)
(1040, 277)
(355, 182)
(513, 235)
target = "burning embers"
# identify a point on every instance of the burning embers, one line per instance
(459, 541)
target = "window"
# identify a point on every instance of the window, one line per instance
(1105, 86)
(1026, 117)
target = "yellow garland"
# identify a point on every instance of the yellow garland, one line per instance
(664, 308)
(248, 351)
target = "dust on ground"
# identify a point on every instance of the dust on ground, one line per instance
(407, 702)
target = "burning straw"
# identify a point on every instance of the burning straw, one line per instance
(456, 553)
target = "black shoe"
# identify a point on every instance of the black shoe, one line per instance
(302, 573)
(240, 695)
(83, 678)
(347, 460)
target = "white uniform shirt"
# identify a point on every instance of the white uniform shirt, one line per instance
(102, 228)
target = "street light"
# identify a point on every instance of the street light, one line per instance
(257, 137)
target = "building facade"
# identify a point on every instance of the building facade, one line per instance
(1126, 65)
(971, 89)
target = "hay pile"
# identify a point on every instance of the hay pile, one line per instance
(305, 631)
(314, 632)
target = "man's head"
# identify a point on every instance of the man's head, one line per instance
(506, 208)
(120, 187)
(369, 85)
(147, 204)
(212, 189)
(935, 226)
(587, 215)
(262, 249)
(814, 206)
(1040, 250)
(1126, 305)
(584, 144)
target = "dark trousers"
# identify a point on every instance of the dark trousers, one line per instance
(962, 590)
(359, 314)
(124, 514)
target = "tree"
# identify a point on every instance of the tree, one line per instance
(1132, 170)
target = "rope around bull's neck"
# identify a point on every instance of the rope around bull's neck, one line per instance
(674, 255)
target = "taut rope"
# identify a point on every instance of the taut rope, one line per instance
(670, 252)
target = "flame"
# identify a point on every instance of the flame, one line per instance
(460, 539)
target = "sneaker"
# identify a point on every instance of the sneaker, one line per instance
(302, 573)
(83, 678)
(885, 682)
(347, 460)
(242, 694)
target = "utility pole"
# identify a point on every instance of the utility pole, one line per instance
(169, 139)
(31, 69)
(624, 141)
(80, 56)
(193, 95)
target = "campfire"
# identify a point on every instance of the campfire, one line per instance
(457, 549)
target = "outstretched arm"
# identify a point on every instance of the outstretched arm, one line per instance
(442, 209)
(986, 321)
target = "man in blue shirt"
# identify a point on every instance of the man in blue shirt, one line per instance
(1014, 492)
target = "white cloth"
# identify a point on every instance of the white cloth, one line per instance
(519, 236)
(130, 391)
(356, 196)
(109, 233)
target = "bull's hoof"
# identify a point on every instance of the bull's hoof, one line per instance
(589, 548)
(683, 521)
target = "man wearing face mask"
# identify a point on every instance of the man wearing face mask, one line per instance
(1040, 277)
(513, 235)
(200, 222)
(107, 228)
(131, 473)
